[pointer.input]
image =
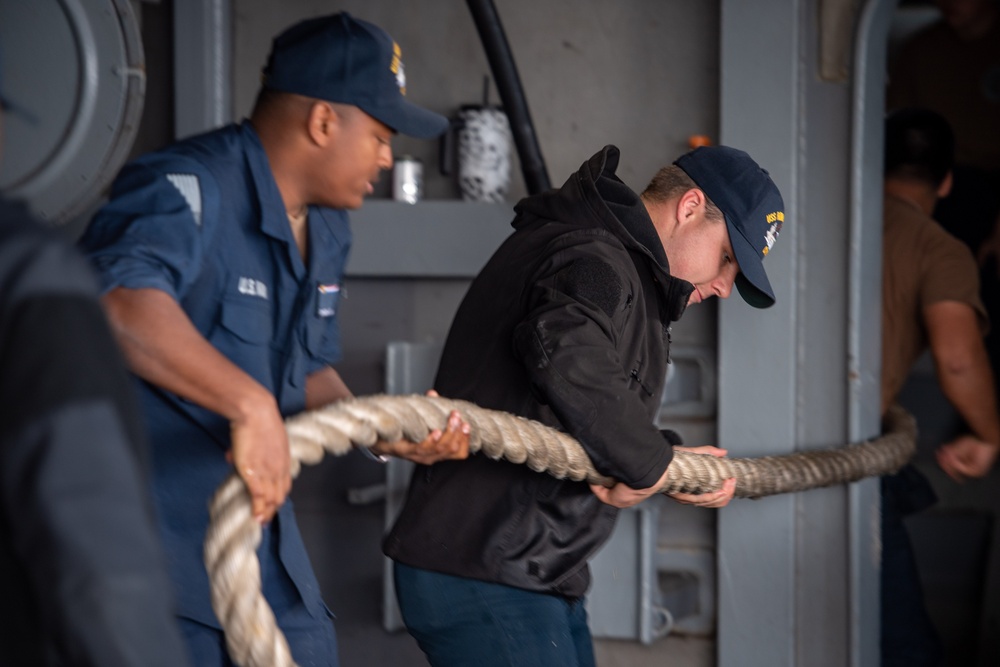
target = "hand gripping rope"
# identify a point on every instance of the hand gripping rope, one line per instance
(252, 635)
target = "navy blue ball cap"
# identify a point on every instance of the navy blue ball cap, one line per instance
(339, 58)
(752, 206)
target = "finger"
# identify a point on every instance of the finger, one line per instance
(605, 494)
(432, 393)
(450, 445)
(458, 445)
(946, 462)
(258, 507)
(702, 499)
(729, 492)
(269, 488)
(460, 433)
(274, 499)
(267, 516)
(713, 501)
(685, 498)
(716, 498)
(282, 485)
(716, 451)
(965, 469)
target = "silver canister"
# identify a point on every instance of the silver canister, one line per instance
(407, 179)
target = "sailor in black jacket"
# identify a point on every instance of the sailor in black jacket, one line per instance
(569, 324)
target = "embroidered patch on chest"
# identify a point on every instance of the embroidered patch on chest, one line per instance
(252, 287)
(326, 304)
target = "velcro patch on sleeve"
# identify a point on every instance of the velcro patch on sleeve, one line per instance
(590, 279)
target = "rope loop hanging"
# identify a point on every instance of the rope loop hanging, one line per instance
(252, 636)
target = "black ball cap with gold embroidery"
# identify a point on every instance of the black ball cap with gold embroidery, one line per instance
(752, 206)
(339, 58)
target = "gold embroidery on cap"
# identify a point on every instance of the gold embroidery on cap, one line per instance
(396, 67)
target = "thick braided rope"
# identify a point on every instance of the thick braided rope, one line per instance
(254, 639)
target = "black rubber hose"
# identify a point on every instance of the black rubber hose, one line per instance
(484, 14)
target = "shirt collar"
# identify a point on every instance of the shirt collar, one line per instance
(273, 219)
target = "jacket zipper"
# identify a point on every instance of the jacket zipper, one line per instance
(638, 380)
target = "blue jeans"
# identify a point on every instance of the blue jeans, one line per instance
(909, 638)
(462, 622)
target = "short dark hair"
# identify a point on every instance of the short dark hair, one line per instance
(268, 99)
(671, 181)
(919, 145)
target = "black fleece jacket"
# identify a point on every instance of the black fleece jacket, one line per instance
(83, 579)
(567, 324)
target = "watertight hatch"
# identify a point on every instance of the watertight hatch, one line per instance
(74, 73)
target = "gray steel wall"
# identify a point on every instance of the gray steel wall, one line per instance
(641, 74)
(805, 564)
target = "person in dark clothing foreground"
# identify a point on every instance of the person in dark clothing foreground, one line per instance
(930, 301)
(84, 579)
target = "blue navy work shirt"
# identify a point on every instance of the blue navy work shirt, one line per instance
(203, 221)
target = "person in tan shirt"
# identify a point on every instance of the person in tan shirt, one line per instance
(930, 300)
(931, 293)
(953, 67)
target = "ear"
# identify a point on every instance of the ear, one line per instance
(323, 123)
(689, 205)
(945, 188)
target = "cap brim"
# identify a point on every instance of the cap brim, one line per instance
(751, 282)
(410, 119)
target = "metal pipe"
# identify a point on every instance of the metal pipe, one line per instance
(864, 339)
(484, 14)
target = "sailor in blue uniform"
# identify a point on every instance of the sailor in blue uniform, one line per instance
(222, 259)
